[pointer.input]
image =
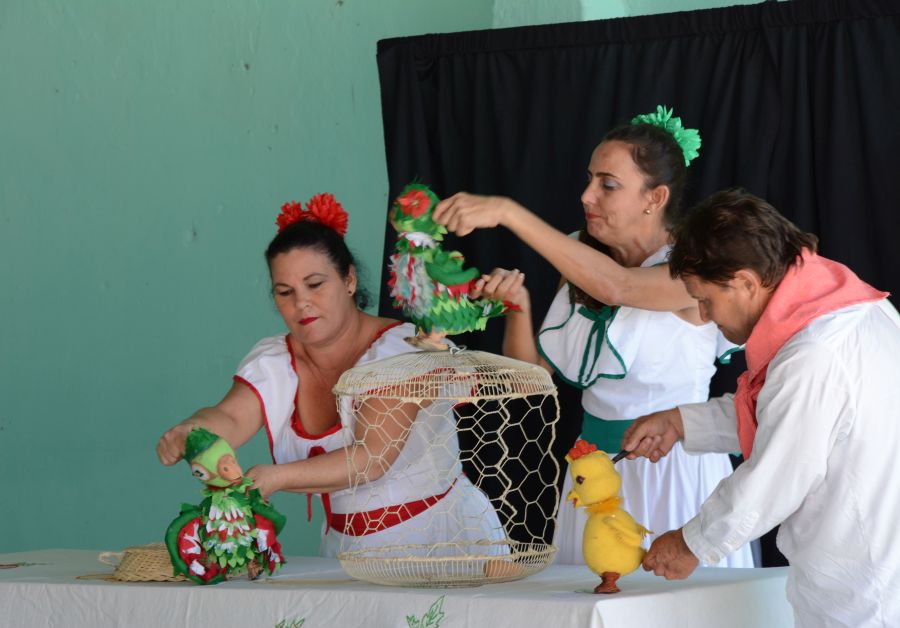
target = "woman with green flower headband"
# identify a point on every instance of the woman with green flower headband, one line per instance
(620, 329)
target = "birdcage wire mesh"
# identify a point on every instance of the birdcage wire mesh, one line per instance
(422, 418)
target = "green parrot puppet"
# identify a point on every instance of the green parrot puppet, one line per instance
(427, 282)
(233, 530)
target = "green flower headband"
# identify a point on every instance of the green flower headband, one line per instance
(687, 139)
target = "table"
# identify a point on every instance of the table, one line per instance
(313, 592)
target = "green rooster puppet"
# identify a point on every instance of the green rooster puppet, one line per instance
(233, 530)
(429, 283)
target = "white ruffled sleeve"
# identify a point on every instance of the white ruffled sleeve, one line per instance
(267, 371)
(584, 345)
(256, 367)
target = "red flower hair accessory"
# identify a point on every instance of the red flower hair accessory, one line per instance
(321, 208)
(290, 213)
(324, 209)
(581, 448)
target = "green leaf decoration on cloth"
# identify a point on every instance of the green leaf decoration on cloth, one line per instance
(431, 619)
(296, 623)
(687, 139)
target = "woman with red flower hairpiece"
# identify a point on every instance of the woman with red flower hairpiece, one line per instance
(284, 386)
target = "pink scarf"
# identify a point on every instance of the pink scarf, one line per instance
(815, 287)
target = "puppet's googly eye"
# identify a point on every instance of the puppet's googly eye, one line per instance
(200, 472)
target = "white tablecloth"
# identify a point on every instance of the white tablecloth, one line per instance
(314, 592)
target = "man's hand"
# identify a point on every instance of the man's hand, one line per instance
(654, 435)
(670, 557)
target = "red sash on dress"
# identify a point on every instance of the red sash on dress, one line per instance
(371, 521)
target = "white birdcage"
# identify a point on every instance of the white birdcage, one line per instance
(473, 432)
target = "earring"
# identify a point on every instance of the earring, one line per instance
(647, 211)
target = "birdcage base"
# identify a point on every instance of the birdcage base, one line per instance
(446, 565)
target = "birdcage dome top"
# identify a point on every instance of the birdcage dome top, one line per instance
(457, 374)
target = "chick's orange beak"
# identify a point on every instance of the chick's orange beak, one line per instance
(573, 497)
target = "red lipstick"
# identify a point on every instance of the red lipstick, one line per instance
(307, 321)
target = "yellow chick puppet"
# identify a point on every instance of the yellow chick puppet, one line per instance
(612, 538)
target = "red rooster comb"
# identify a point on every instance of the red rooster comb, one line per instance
(581, 448)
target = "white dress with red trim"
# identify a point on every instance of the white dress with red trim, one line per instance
(630, 362)
(423, 498)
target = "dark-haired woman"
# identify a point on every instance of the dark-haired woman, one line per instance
(413, 491)
(620, 329)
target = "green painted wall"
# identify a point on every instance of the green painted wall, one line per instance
(523, 12)
(145, 148)
(604, 9)
(529, 12)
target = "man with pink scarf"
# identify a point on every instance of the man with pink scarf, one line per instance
(816, 415)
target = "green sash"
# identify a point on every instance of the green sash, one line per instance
(606, 435)
(601, 319)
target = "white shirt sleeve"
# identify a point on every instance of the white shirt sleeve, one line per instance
(802, 410)
(710, 427)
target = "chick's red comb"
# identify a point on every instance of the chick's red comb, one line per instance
(581, 448)
(321, 208)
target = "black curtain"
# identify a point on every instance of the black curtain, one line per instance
(799, 102)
